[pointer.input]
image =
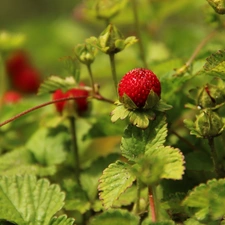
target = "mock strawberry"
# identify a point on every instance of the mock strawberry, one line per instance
(81, 105)
(137, 85)
(11, 97)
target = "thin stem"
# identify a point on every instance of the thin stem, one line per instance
(91, 76)
(195, 53)
(97, 96)
(75, 148)
(138, 30)
(152, 203)
(113, 69)
(214, 157)
(138, 197)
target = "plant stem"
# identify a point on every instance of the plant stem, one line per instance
(91, 76)
(113, 69)
(72, 120)
(152, 203)
(184, 68)
(214, 157)
(137, 210)
(138, 30)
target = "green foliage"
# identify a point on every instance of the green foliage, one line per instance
(115, 217)
(54, 82)
(206, 200)
(114, 181)
(62, 220)
(24, 199)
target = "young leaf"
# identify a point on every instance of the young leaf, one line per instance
(61, 220)
(135, 141)
(120, 217)
(53, 83)
(114, 181)
(207, 200)
(24, 200)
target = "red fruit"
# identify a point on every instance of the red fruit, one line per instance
(137, 84)
(17, 62)
(27, 81)
(11, 97)
(80, 103)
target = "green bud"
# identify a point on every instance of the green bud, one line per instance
(106, 9)
(9, 42)
(85, 53)
(211, 96)
(111, 40)
(209, 124)
(218, 5)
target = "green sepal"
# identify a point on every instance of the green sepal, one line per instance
(85, 53)
(111, 40)
(53, 83)
(218, 5)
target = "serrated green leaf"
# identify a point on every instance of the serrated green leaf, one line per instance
(173, 161)
(215, 65)
(207, 200)
(114, 181)
(135, 141)
(61, 220)
(50, 150)
(120, 217)
(54, 82)
(26, 200)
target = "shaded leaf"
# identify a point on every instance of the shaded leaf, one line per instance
(61, 220)
(24, 200)
(135, 141)
(148, 222)
(50, 150)
(207, 200)
(54, 82)
(114, 181)
(120, 217)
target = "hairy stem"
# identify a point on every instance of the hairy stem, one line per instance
(91, 77)
(113, 69)
(72, 121)
(152, 203)
(214, 157)
(97, 96)
(137, 210)
(138, 30)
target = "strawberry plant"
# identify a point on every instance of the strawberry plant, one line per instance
(128, 128)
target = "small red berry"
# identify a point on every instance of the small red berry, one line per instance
(11, 97)
(16, 62)
(81, 103)
(27, 80)
(137, 84)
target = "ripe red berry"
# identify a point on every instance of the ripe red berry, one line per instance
(11, 97)
(81, 102)
(137, 84)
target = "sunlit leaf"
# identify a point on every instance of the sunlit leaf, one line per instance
(120, 217)
(135, 141)
(26, 200)
(61, 220)
(114, 181)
